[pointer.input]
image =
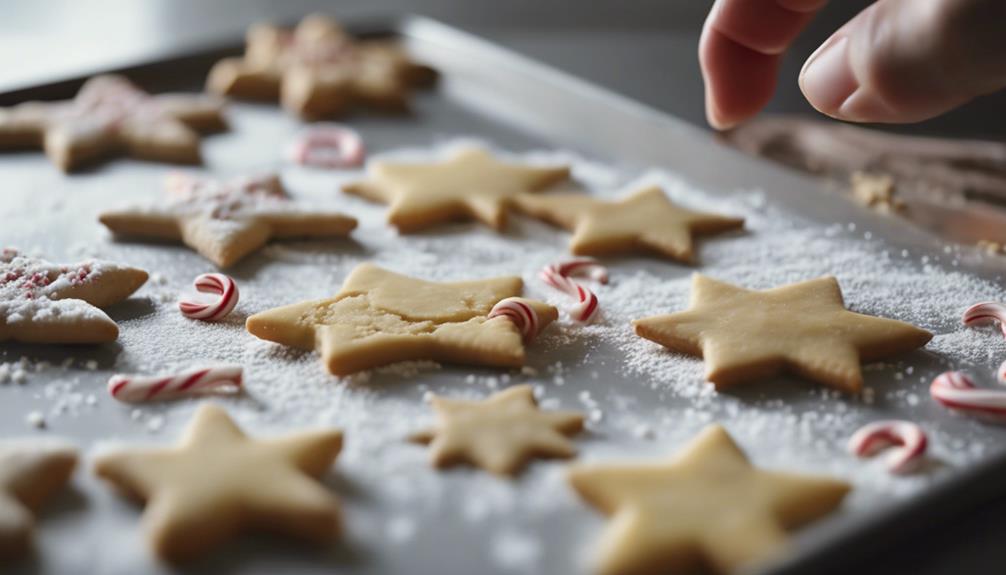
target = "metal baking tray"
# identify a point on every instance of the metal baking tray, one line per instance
(477, 524)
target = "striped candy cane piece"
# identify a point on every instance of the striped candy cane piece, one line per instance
(986, 313)
(139, 388)
(908, 440)
(520, 313)
(328, 146)
(214, 283)
(559, 276)
(955, 390)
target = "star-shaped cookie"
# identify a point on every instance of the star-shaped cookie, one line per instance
(110, 116)
(43, 302)
(225, 221)
(644, 220)
(471, 184)
(31, 472)
(746, 335)
(499, 434)
(380, 317)
(319, 71)
(707, 507)
(218, 482)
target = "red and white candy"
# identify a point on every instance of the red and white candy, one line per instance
(906, 439)
(559, 275)
(986, 313)
(955, 390)
(328, 146)
(218, 284)
(140, 388)
(520, 313)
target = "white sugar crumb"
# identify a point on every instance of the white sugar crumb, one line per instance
(35, 419)
(516, 551)
(400, 529)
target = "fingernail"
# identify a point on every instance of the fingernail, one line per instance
(827, 80)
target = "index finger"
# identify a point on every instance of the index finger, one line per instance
(740, 50)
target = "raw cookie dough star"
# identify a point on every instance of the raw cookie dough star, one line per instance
(225, 221)
(110, 116)
(31, 472)
(380, 317)
(746, 335)
(471, 184)
(43, 302)
(499, 434)
(707, 507)
(219, 481)
(319, 71)
(644, 220)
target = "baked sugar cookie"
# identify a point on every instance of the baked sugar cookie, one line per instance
(642, 221)
(706, 508)
(31, 471)
(218, 482)
(470, 184)
(500, 434)
(319, 71)
(42, 302)
(225, 221)
(380, 317)
(111, 116)
(746, 335)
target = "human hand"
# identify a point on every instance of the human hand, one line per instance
(897, 61)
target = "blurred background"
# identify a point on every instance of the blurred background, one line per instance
(643, 48)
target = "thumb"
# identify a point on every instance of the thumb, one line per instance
(908, 60)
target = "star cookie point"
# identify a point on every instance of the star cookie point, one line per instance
(642, 220)
(708, 506)
(500, 434)
(226, 221)
(805, 328)
(469, 184)
(380, 317)
(218, 482)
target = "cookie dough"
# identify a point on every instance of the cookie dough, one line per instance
(219, 481)
(642, 221)
(380, 317)
(43, 302)
(31, 471)
(500, 434)
(707, 507)
(319, 71)
(111, 116)
(471, 184)
(746, 335)
(226, 221)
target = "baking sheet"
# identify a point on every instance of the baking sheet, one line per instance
(402, 516)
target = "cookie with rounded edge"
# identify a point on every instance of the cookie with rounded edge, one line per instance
(218, 482)
(645, 220)
(43, 302)
(380, 317)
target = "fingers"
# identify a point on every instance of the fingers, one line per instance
(906, 61)
(740, 50)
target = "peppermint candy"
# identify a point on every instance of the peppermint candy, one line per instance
(986, 313)
(139, 388)
(330, 146)
(559, 276)
(955, 390)
(520, 313)
(215, 283)
(907, 439)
